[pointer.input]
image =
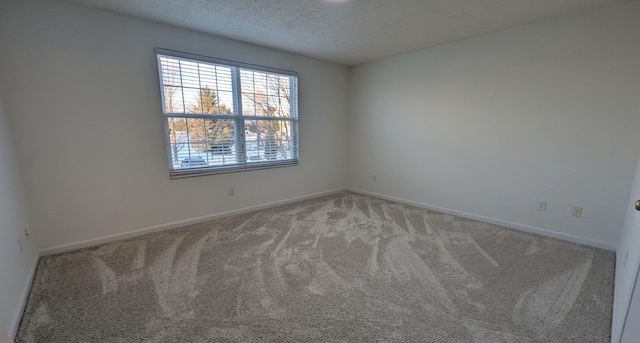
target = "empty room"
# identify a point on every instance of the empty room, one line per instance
(319, 171)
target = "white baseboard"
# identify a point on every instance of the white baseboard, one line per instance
(24, 296)
(515, 226)
(162, 227)
(173, 225)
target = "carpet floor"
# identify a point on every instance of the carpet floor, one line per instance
(339, 268)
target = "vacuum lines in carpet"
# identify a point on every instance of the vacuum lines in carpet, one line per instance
(340, 268)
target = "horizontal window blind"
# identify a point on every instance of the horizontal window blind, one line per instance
(223, 116)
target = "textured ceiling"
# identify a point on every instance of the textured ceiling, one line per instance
(347, 32)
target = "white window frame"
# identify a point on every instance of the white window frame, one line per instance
(242, 162)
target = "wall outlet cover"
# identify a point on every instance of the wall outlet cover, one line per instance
(577, 211)
(542, 205)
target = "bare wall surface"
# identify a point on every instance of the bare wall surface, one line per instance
(17, 254)
(490, 126)
(83, 100)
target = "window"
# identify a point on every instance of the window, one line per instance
(222, 116)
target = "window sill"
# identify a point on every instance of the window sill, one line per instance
(194, 172)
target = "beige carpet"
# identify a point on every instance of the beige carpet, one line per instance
(341, 268)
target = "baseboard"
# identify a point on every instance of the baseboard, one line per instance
(515, 226)
(162, 227)
(173, 225)
(24, 296)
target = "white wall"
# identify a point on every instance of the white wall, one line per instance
(17, 254)
(490, 126)
(82, 97)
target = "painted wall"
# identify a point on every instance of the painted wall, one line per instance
(83, 100)
(627, 265)
(17, 254)
(492, 125)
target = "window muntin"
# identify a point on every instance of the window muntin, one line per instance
(223, 116)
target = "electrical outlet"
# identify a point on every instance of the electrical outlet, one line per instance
(232, 192)
(542, 205)
(374, 178)
(577, 211)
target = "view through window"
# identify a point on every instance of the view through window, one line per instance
(224, 116)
